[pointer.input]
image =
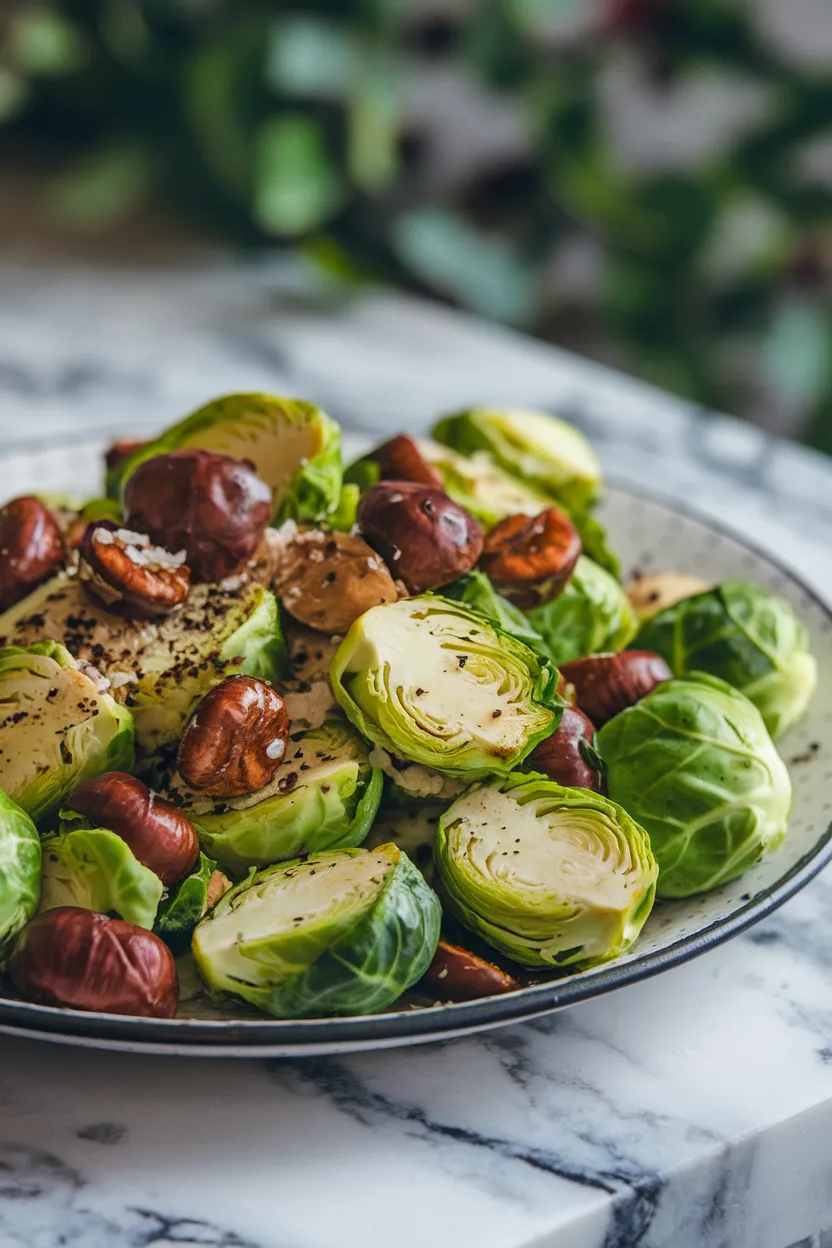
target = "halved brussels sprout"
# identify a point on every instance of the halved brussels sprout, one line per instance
(480, 486)
(57, 727)
(549, 876)
(549, 454)
(163, 668)
(592, 615)
(187, 903)
(97, 870)
(294, 446)
(339, 933)
(20, 866)
(477, 592)
(746, 635)
(431, 681)
(694, 764)
(324, 795)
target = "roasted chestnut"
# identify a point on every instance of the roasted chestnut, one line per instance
(608, 683)
(213, 507)
(31, 548)
(160, 836)
(79, 960)
(129, 574)
(327, 580)
(564, 755)
(456, 974)
(235, 741)
(530, 558)
(426, 539)
(401, 460)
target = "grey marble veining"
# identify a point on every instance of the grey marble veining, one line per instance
(690, 1111)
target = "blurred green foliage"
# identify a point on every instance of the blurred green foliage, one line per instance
(478, 151)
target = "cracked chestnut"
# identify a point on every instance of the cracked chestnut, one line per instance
(77, 959)
(235, 741)
(606, 684)
(426, 539)
(31, 548)
(213, 507)
(565, 757)
(160, 836)
(531, 558)
(456, 974)
(327, 580)
(131, 575)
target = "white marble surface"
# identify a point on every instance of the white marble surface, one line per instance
(692, 1111)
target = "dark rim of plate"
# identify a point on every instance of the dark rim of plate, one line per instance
(439, 1021)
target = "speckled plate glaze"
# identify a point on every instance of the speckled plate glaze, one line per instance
(647, 535)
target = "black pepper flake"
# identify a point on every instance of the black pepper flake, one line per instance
(496, 714)
(420, 693)
(287, 783)
(462, 659)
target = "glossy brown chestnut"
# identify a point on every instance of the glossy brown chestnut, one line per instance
(530, 558)
(213, 507)
(401, 460)
(31, 548)
(79, 960)
(235, 740)
(121, 451)
(130, 575)
(608, 683)
(563, 756)
(160, 836)
(426, 539)
(456, 974)
(327, 580)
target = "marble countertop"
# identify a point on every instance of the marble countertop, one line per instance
(691, 1111)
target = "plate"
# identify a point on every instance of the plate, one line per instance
(646, 534)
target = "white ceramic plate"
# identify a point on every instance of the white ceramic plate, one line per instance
(646, 534)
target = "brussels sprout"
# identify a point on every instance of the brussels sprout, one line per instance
(746, 635)
(162, 669)
(431, 681)
(339, 933)
(478, 485)
(20, 864)
(592, 615)
(477, 592)
(547, 875)
(96, 870)
(56, 727)
(294, 446)
(324, 795)
(549, 454)
(187, 903)
(694, 764)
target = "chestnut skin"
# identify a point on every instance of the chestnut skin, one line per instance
(561, 757)
(425, 538)
(76, 959)
(31, 548)
(213, 507)
(401, 460)
(236, 738)
(531, 558)
(456, 974)
(606, 684)
(327, 580)
(160, 836)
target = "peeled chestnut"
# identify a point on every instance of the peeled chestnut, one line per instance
(213, 507)
(608, 683)
(79, 960)
(456, 974)
(161, 836)
(530, 558)
(31, 548)
(129, 574)
(326, 580)
(564, 757)
(236, 739)
(426, 539)
(401, 460)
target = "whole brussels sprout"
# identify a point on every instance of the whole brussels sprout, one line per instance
(592, 615)
(549, 876)
(338, 933)
(324, 795)
(20, 865)
(161, 670)
(694, 764)
(433, 682)
(94, 869)
(294, 447)
(746, 635)
(57, 727)
(540, 450)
